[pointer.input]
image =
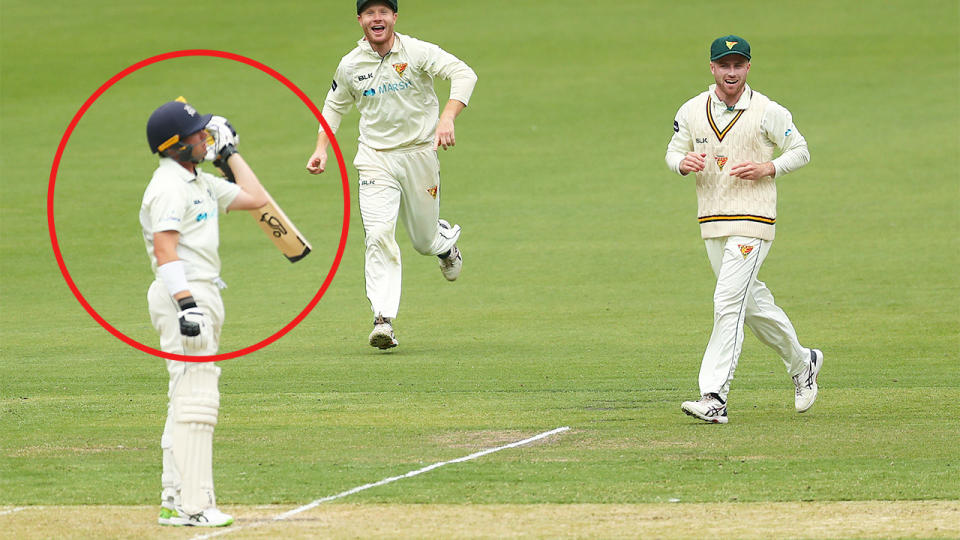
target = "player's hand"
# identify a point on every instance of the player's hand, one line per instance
(692, 162)
(444, 136)
(223, 135)
(194, 326)
(317, 162)
(749, 170)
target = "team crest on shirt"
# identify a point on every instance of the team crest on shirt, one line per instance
(400, 68)
(745, 250)
(432, 190)
(721, 161)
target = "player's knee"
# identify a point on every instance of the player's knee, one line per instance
(379, 236)
(197, 398)
(424, 246)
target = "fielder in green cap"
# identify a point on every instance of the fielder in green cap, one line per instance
(728, 136)
(727, 45)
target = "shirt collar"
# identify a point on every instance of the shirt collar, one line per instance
(742, 103)
(173, 167)
(367, 48)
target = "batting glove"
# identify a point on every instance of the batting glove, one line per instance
(222, 144)
(223, 135)
(194, 327)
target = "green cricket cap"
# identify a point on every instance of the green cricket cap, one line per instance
(722, 46)
(363, 3)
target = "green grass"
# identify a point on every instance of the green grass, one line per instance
(585, 297)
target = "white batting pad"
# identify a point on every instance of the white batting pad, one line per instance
(196, 403)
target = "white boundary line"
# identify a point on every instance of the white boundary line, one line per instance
(410, 474)
(17, 509)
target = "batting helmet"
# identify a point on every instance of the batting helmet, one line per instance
(170, 124)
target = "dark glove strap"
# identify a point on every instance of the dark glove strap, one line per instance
(187, 302)
(221, 161)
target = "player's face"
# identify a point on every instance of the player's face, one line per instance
(730, 72)
(377, 21)
(199, 142)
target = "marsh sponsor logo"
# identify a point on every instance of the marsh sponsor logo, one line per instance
(387, 88)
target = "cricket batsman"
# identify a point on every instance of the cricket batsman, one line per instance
(179, 217)
(727, 137)
(389, 77)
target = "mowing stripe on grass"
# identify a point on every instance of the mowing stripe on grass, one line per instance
(410, 474)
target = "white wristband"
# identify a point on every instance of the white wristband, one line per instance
(173, 276)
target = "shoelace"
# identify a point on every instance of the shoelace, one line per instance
(808, 384)
(198, 517)
(454, 255)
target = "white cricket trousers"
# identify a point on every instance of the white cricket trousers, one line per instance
(163, 315)
(402, 183)
(740, 298)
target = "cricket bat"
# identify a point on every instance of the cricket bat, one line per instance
(281, 230)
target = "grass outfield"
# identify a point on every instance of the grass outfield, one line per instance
(585, 299)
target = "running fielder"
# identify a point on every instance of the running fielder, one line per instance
(180, 221)
(389, 77)
(727, 136)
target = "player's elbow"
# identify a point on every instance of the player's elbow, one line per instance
(259, 199)
(249, 201)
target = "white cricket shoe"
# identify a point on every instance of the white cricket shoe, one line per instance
(451, 264)
(708, 409)
(806, 382)
(382, 336)
(211, 517)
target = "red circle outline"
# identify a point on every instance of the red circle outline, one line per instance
(343, 176)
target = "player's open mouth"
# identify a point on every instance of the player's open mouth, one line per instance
(378, 28)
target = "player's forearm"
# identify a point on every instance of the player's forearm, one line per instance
(248, 182)
(673, 160)
(680, 143)
(452, 109)
(170, 269)
(322, 141)
(333, 118)
(791, 159)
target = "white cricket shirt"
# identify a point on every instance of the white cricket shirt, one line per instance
(394, 94)
(178, 200)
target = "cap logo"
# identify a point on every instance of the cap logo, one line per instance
(190, 110)
(400, 68)
(731, 44)
(721, 161)
(432, 190)
(745, 250)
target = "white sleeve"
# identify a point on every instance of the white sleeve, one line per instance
(224, 191)
(439, 63)
(338, 101)
(166, 210)
(777, 125)
(681, 142)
